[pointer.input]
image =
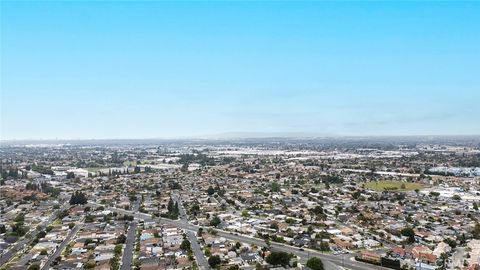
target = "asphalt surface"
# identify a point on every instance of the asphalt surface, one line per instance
(29, 237)
(197, 250)
(192, 237)
(62, 246)
(344, 261)
(127, 258)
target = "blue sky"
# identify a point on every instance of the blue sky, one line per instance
(150, 69)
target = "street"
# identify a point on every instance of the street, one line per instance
(29, 237)
(192, 237)
(197, 250)
(127, 259)
(62, 246)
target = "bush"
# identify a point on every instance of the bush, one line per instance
(315, 263)
(278, 258)
(214, 261)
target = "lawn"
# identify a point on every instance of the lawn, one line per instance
(393, 186)
(94, 169)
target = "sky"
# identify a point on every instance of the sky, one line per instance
(151, 69)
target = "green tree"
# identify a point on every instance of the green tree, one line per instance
(78, 197)
(90, 264)
(185, 245)
(442, 261)
(278, 258)
(408, 232)
(117, 250)
(315, 263)
(34, 267)
(214, 261)
(275, 187)
(210, 191)
(215, 221)
(121, 239)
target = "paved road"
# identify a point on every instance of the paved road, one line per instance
(127, 260)
(29, 237)
(340, 260)
(62, 246)
(197, 250)
(192, 237)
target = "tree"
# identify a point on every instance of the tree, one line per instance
(34, 267)
(441, 263)
(315, 263)
(195, 209)
(210, 191)
(214, 261)
(317, 210)
(78, 197)
(278, 258)
(173, 210)
(324, 246)
(476, 231)
(408, 232)
(170, 205)
(185, 245)
(215, 221)
(275, 187)
(88, 241)
(90, 264)
(20, 218)
(121, 239)
(452, 243)
(234, 267)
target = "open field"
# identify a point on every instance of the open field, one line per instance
(95, 169)
(393, 186)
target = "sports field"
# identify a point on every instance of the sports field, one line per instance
(392, 186)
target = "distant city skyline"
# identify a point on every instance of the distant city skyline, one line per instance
(107, 70)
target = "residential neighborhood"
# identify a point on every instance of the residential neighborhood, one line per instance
(188, 205)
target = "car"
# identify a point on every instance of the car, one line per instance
(301, 249)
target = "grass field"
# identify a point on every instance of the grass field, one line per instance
(392, 186)
(95, 169)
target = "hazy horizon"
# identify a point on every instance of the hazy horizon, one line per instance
(139, 70)
(250, 136)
